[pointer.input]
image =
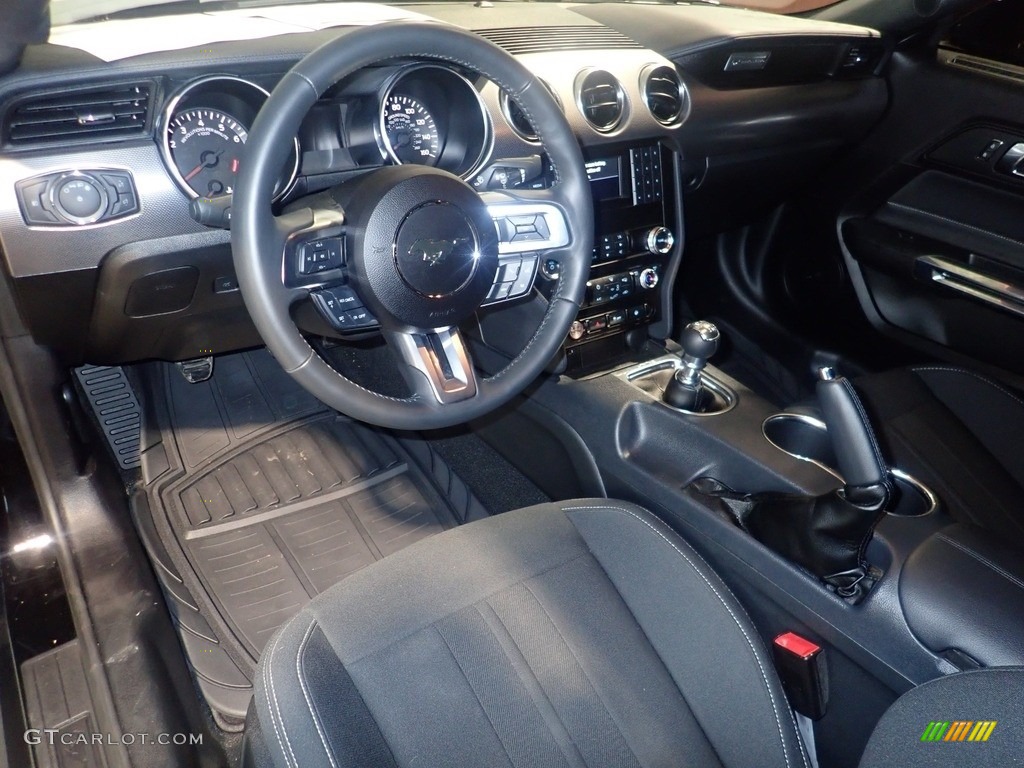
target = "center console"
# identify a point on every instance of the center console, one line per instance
(637, 235)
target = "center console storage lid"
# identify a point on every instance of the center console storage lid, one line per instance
(963, 589)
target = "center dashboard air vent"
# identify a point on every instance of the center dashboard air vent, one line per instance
(663, 93)
(92, 113)
(600, 98)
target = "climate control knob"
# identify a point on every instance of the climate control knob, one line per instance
(577, 330)
(648, 278)
(659, 240)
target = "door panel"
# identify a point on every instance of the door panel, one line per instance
(933, 237)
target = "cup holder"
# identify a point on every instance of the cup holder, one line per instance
(806, 438)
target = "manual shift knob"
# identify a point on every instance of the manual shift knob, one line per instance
(700, 339)
(684, 390)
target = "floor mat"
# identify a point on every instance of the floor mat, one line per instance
(255, 498)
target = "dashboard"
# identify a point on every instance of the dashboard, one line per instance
(102, 163)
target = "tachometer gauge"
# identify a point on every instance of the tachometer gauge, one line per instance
(410, 132)
(206, 146)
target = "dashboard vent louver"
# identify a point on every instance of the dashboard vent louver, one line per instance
(517, 118)
(664, 94)
(522, 40)
(600, 99)
(97, 113)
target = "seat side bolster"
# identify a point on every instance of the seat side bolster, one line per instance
(698, 628)
(311, 712)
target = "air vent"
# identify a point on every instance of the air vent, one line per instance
(520, 40)
(600, 98)
(663, 93)
(98, 113)
(517, 118)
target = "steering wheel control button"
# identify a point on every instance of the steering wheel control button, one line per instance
(75, 198)
(342, 309)
(318, 256)
(437, 249)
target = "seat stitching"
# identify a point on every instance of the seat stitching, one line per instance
(981, 559)
(948, 220)
(268, 682)
(300, 670)
(750, 644)
(978, 376)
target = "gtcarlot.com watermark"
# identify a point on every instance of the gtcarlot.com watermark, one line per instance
(52, 737)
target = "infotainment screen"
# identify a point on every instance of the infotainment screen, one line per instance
(605, 174)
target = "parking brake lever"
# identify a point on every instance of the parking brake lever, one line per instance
(860, 461)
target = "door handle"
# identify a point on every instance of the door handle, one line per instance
(970, 282)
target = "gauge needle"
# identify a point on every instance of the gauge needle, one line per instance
(206, 160)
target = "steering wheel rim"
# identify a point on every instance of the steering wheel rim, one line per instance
(258, 238)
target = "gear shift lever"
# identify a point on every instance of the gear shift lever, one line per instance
(699, 342)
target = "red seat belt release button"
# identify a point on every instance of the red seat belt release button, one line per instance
(804, 672)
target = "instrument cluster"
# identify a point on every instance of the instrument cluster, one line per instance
(423, 114)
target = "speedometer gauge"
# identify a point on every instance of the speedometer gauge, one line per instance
(410, 131)
(206, 146)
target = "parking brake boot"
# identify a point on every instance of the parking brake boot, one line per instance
(826, 534)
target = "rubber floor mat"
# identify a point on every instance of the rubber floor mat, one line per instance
(255, 499)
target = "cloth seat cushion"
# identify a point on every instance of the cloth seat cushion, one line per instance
(572, 634)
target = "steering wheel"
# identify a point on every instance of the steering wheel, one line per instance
(420, 250)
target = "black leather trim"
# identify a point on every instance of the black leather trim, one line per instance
(964, 589)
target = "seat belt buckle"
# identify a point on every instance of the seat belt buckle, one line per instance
(801, 666)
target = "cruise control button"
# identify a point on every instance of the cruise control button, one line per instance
(359, 318)
(525, 279)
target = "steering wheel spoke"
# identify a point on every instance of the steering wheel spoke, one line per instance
(436, 364)
(529, 223)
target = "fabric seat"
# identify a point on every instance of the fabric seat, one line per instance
(959, 433)
(572, 634)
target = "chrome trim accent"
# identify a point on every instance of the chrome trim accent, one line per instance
(926, 492)
(651, 241)
(415, 352)
(805, 419)
(504, 206)
(172, 106)
(684, 94)
(503, 105)
(620, 97)
(388, 152)
(672, 362)
(975, 284)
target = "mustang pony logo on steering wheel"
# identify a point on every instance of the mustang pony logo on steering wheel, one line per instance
(434, 250)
